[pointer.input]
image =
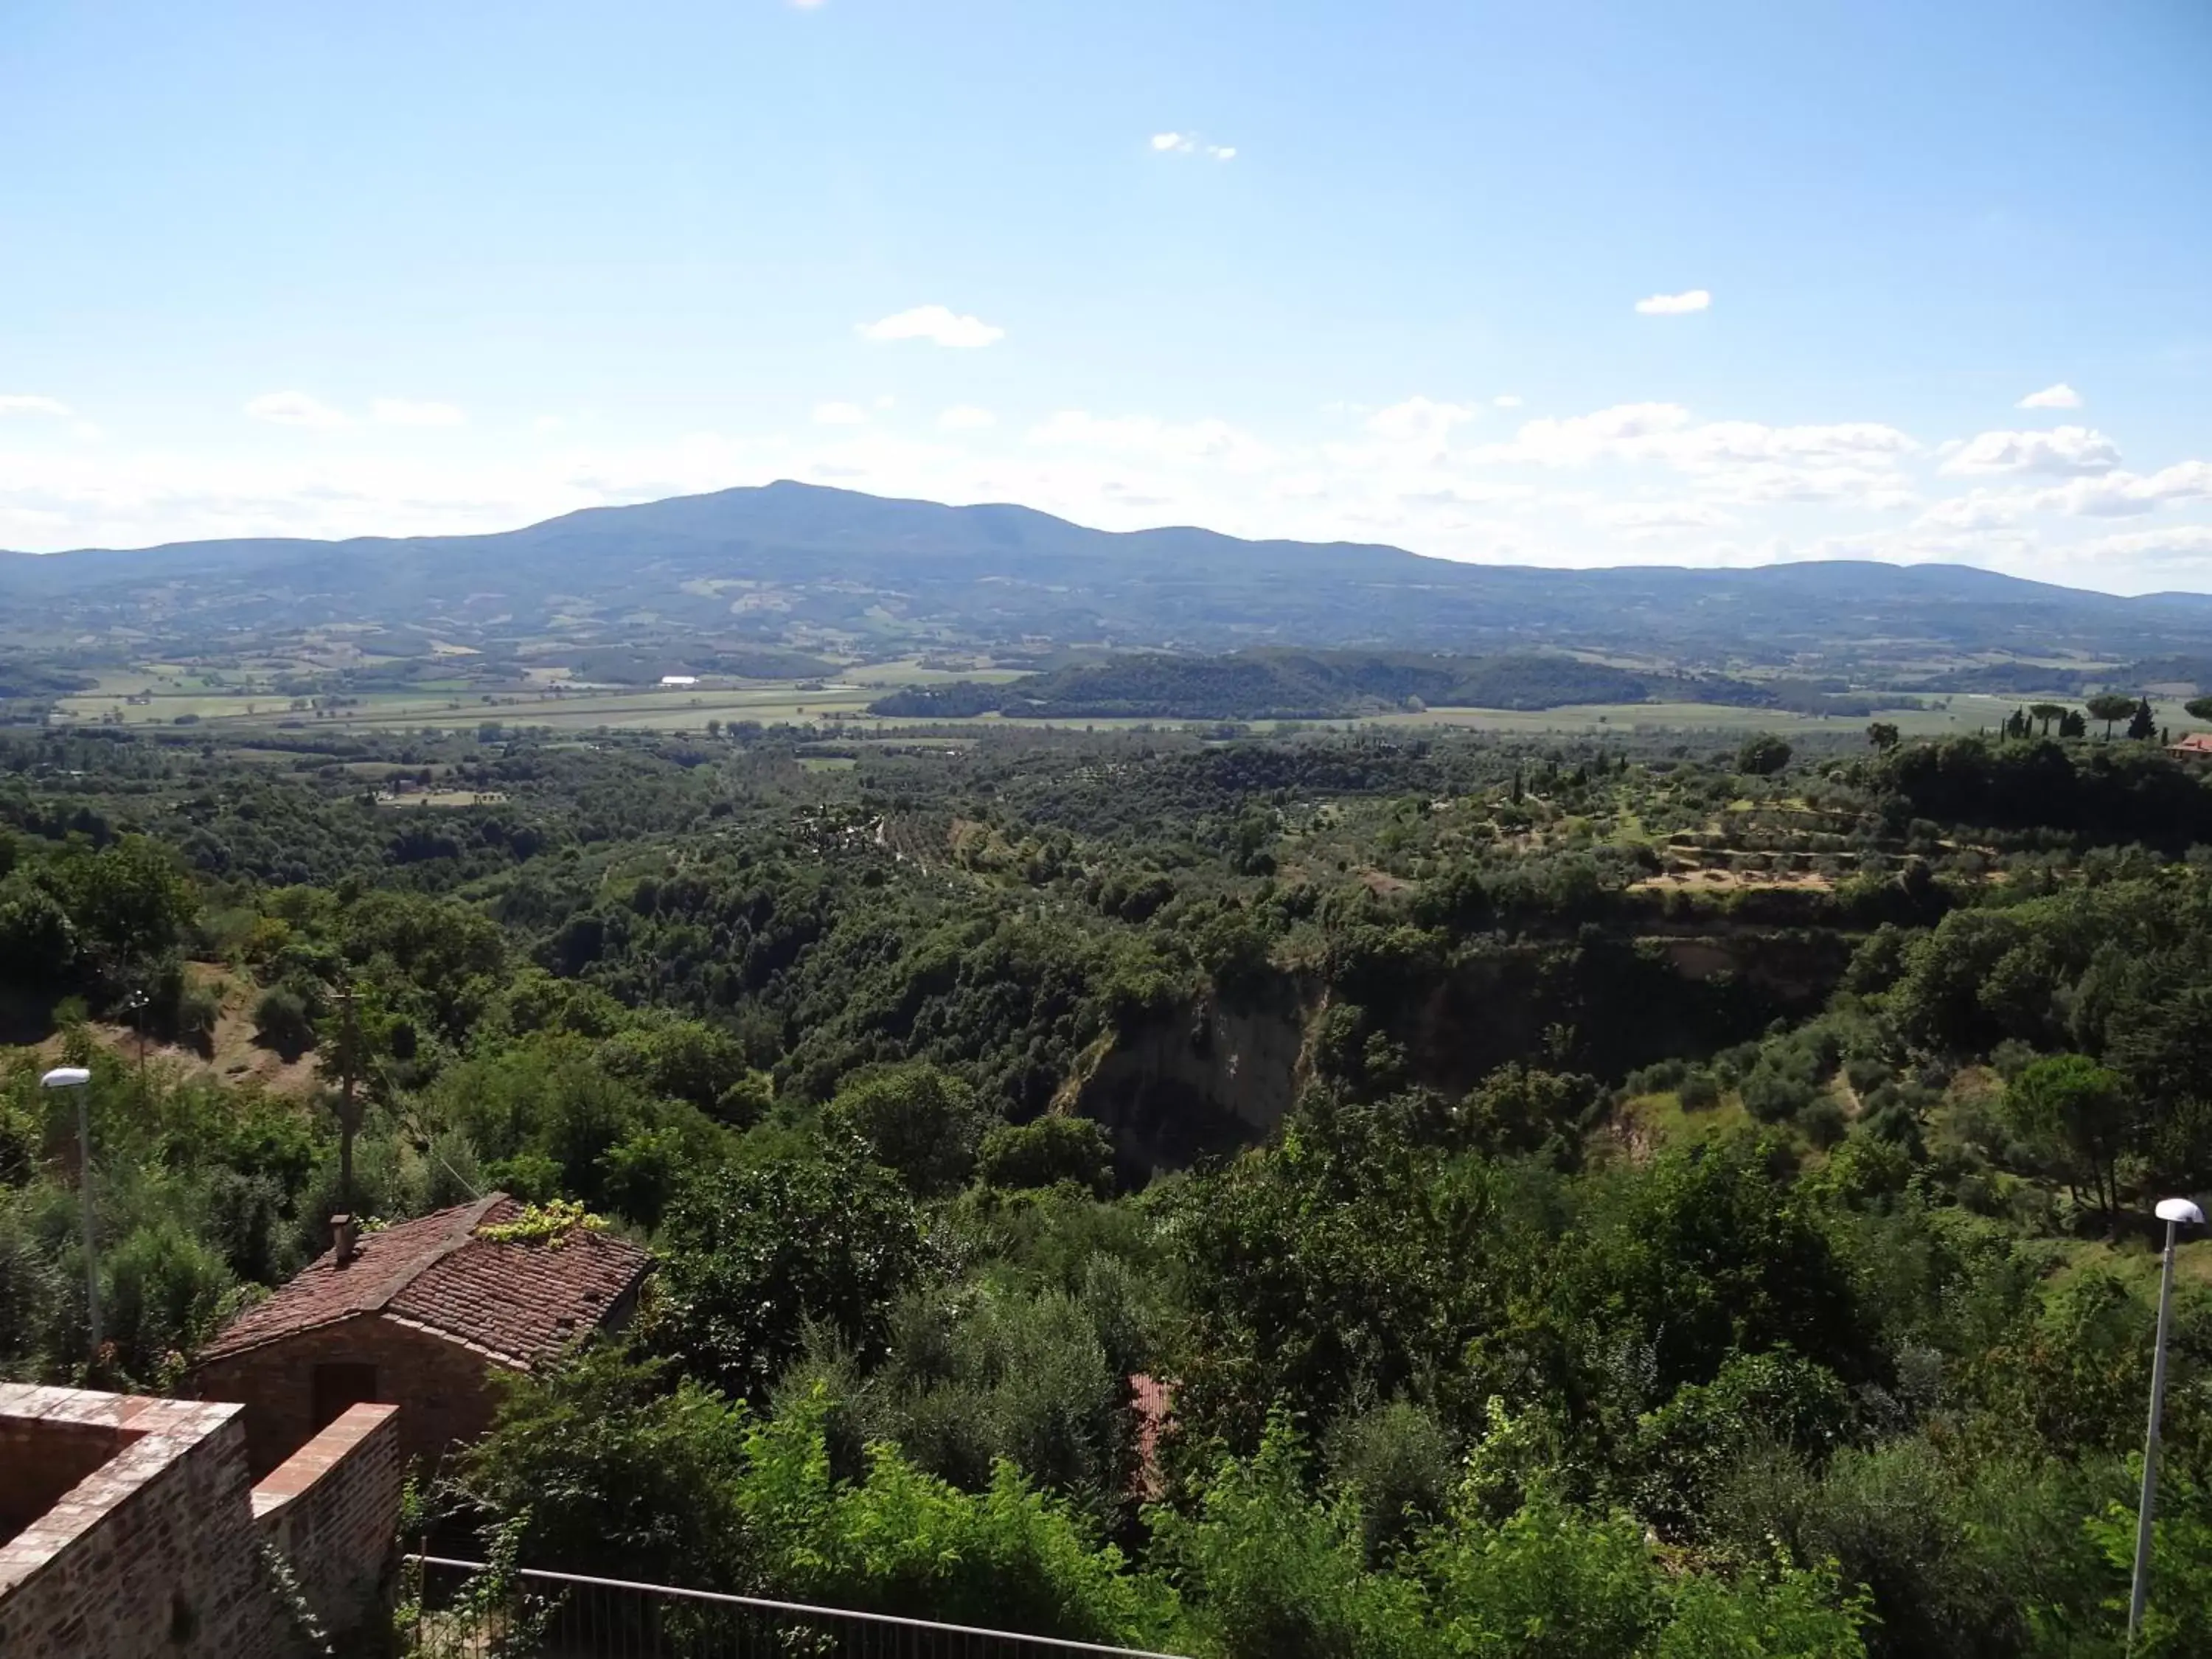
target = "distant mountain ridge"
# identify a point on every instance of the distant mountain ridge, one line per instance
(802, 567)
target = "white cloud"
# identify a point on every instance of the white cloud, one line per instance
(1977, 509)
(2064, 449)
(1743, 462)
(835, 414)
(938, 324)
(1643, 519)
(407, 411)
(1210, 440)
(24, 403)
(1579, 439)
(2061, 396)
(1421, 423)
(1505, 400)
(2121, 494)
(966, 417)
(2180, 543)
(1675, 305)
(1189, 143)
(294, 409)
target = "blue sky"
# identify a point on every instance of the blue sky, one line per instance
(1368, 270)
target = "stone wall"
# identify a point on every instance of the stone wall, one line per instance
(440, 1387)
(331, 1509)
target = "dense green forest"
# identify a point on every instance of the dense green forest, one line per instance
(1328, 1194)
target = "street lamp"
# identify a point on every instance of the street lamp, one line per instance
(79, 1081)
(2173, 1212)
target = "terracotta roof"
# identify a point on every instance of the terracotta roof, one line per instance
(2193, 742)
(513, 1302)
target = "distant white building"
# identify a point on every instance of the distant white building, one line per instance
(677, 681)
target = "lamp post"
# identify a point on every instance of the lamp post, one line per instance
(2173, 1212)
(78, 1081)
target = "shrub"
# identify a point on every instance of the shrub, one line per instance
(1822, 1122)
(1397, 1463)
(281, 1021)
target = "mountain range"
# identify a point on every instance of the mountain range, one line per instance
(800, 567)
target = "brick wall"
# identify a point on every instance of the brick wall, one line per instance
(440, 1387)
(43, 1459)
(153, 1552)
(332, 1510)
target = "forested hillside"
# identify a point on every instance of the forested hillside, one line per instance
(1617, 1197)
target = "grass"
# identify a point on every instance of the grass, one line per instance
(2136, 1262)
(1660, 1120)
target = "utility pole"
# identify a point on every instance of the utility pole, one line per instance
(348, 1077)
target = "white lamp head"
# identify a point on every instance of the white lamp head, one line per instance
(2180, 1209)
(65, 1077)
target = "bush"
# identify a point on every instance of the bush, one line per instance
(163, 1294)
(197, 1010)
(1698, 1091)
(1822, 1122)
(1397, 1463)
(1762, 755)
(281, 1021)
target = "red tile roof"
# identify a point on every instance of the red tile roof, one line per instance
(2191, 743)
(513, 1302)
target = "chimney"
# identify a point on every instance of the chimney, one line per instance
(342, 1236)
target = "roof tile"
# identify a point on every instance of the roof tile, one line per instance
(516, 1301)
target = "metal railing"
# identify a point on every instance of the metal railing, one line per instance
(460, 1612)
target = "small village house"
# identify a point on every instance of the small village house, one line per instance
(416, 1315)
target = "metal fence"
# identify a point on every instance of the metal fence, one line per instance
(463, 1611)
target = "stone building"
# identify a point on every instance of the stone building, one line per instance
(416, 1315)
(128, 1527)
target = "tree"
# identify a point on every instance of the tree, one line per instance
(1054, 1148)
(2072, 724)
(2199, 707)
(349, 1056)
(2074, 1114)
(914, 1118)
(2047, 712)
(1762, 755)
(1883, 735)
(762, 1251)
(2144, 725)
(2110, 706)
